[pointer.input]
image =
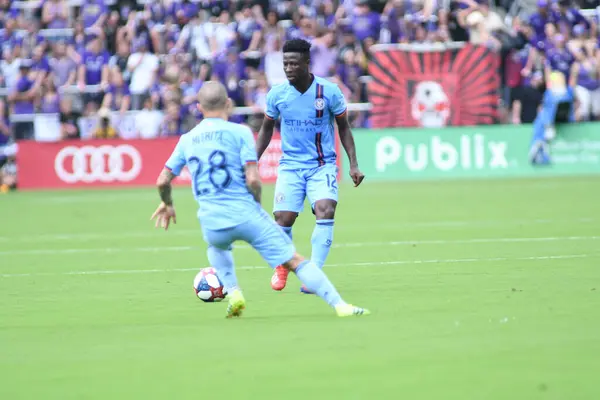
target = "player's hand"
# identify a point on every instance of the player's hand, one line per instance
(163, 215)
(356, 175)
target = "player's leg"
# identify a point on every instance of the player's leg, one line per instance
(277, 249)
(221, 258)
(315, 281)
(322, 192)
(289, 201)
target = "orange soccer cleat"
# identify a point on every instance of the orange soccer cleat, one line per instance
(279, 278)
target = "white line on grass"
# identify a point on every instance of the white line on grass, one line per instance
(335, 245)
(151, 233)
(358, 264)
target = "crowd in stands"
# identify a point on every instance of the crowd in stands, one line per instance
(78, 59)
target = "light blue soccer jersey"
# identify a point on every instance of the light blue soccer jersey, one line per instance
(216, 152)
(307, 122)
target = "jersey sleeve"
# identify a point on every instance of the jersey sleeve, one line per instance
(272, 112)
(176, 162)
(248, 149)
(337, 105)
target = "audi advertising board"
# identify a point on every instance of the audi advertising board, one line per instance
(106, 163)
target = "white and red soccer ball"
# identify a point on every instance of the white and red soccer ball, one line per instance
(208, 286)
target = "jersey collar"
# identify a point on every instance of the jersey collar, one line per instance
(309, 90)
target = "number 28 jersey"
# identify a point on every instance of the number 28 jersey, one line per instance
(215, 152)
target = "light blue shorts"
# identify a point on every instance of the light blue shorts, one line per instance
(293, 186)
(262, 233)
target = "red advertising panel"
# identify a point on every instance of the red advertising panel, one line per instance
(434, 88)
(109, 163)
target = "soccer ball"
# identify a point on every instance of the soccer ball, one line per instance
(208, 286)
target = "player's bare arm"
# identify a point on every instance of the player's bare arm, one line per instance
(264, 135)
(348, 142)
(165, 210)
(253, 181)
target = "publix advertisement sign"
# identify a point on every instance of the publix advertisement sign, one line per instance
(404, 154)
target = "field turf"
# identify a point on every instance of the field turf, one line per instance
(479, 290)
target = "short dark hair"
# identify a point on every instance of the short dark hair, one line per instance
(297, 46)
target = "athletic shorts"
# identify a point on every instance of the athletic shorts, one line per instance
(262, 233)
(293, 186)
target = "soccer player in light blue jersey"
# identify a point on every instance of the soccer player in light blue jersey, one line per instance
(308, 107)
(222, 160)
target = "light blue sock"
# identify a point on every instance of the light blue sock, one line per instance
(287, 230)
(317, 282)
(321, 240)
(222, 261)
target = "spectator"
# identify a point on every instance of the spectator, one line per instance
(143, 67)
(273, 61)
(69, 126)
(104, 130)
(539, 19)
(78, 42)
(155, 13)
(182, 11)
(10, 67)
(248, 30)
(539, 45)
(484, 25)
(8, 151)
(117, 97)
(148, 121)
(111, 30)
(558, 57)
(171, 125)
(40, 66)
(22, 97)
(395, 21)
(577, 46)
(527, 98)
(118, 62)
(348, 73)
(5, 136)
(223, 32)
(32, 38)
(365, 22)
(8, 171)
(197, 37)
(94, 71)
(63, 69)
(326, 15)
(93, 13)
(271, 30)
(257, 100)
(585, 78)
(172, 33)
(55, 14)
(168, 91)
(323, 53)
(50, 102)
(307, 29)
(188, 86)
(9, 39)
(566, 17)
(141, 32)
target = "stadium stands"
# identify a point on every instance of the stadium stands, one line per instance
(68, 59)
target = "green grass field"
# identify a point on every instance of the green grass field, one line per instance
(479, 290)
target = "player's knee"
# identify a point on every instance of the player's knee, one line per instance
(285, 218)
(325, 210)
(294, 262)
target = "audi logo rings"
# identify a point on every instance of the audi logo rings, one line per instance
(98, 164)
